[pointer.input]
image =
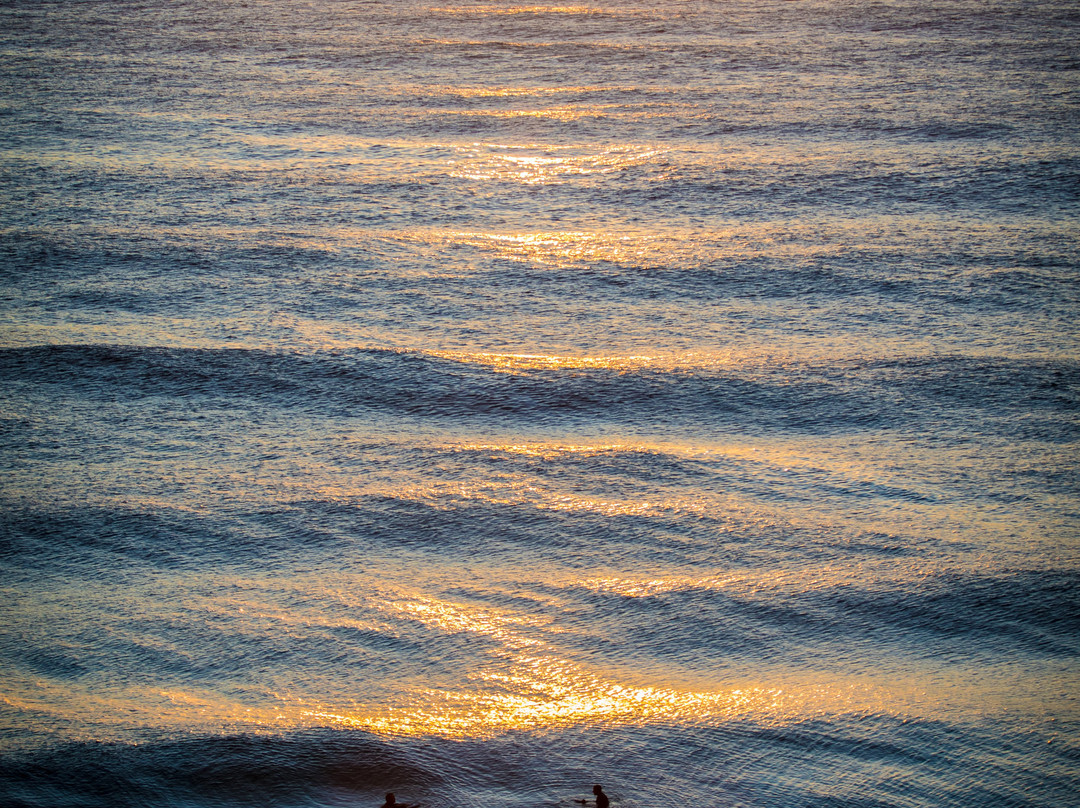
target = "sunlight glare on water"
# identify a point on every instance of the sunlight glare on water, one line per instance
(478, 402)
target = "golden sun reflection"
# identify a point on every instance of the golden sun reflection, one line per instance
(562, 114)
(512, 10)
(466, 714)
(531, 165)
(510, 363)
(550, 451)
(521, 92)
(528, 686)
(519, 678)
(619, 248)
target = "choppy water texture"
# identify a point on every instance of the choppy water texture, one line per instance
(479, 402)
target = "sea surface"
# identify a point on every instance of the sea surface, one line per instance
(479, 402)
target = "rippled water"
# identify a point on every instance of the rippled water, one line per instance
(479, 402)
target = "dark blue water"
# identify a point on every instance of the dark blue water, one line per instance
(481, 402)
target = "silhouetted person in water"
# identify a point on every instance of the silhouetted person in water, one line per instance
(393, 803)
(601, 798)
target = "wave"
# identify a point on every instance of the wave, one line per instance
(704, 590)
(815, 763)
(1031, 399)
(302, 769)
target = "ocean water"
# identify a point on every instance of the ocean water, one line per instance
(479, 402)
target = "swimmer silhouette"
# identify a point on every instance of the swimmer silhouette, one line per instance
(391, 802)
(601, 798)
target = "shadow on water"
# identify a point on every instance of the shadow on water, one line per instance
(299, 770)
